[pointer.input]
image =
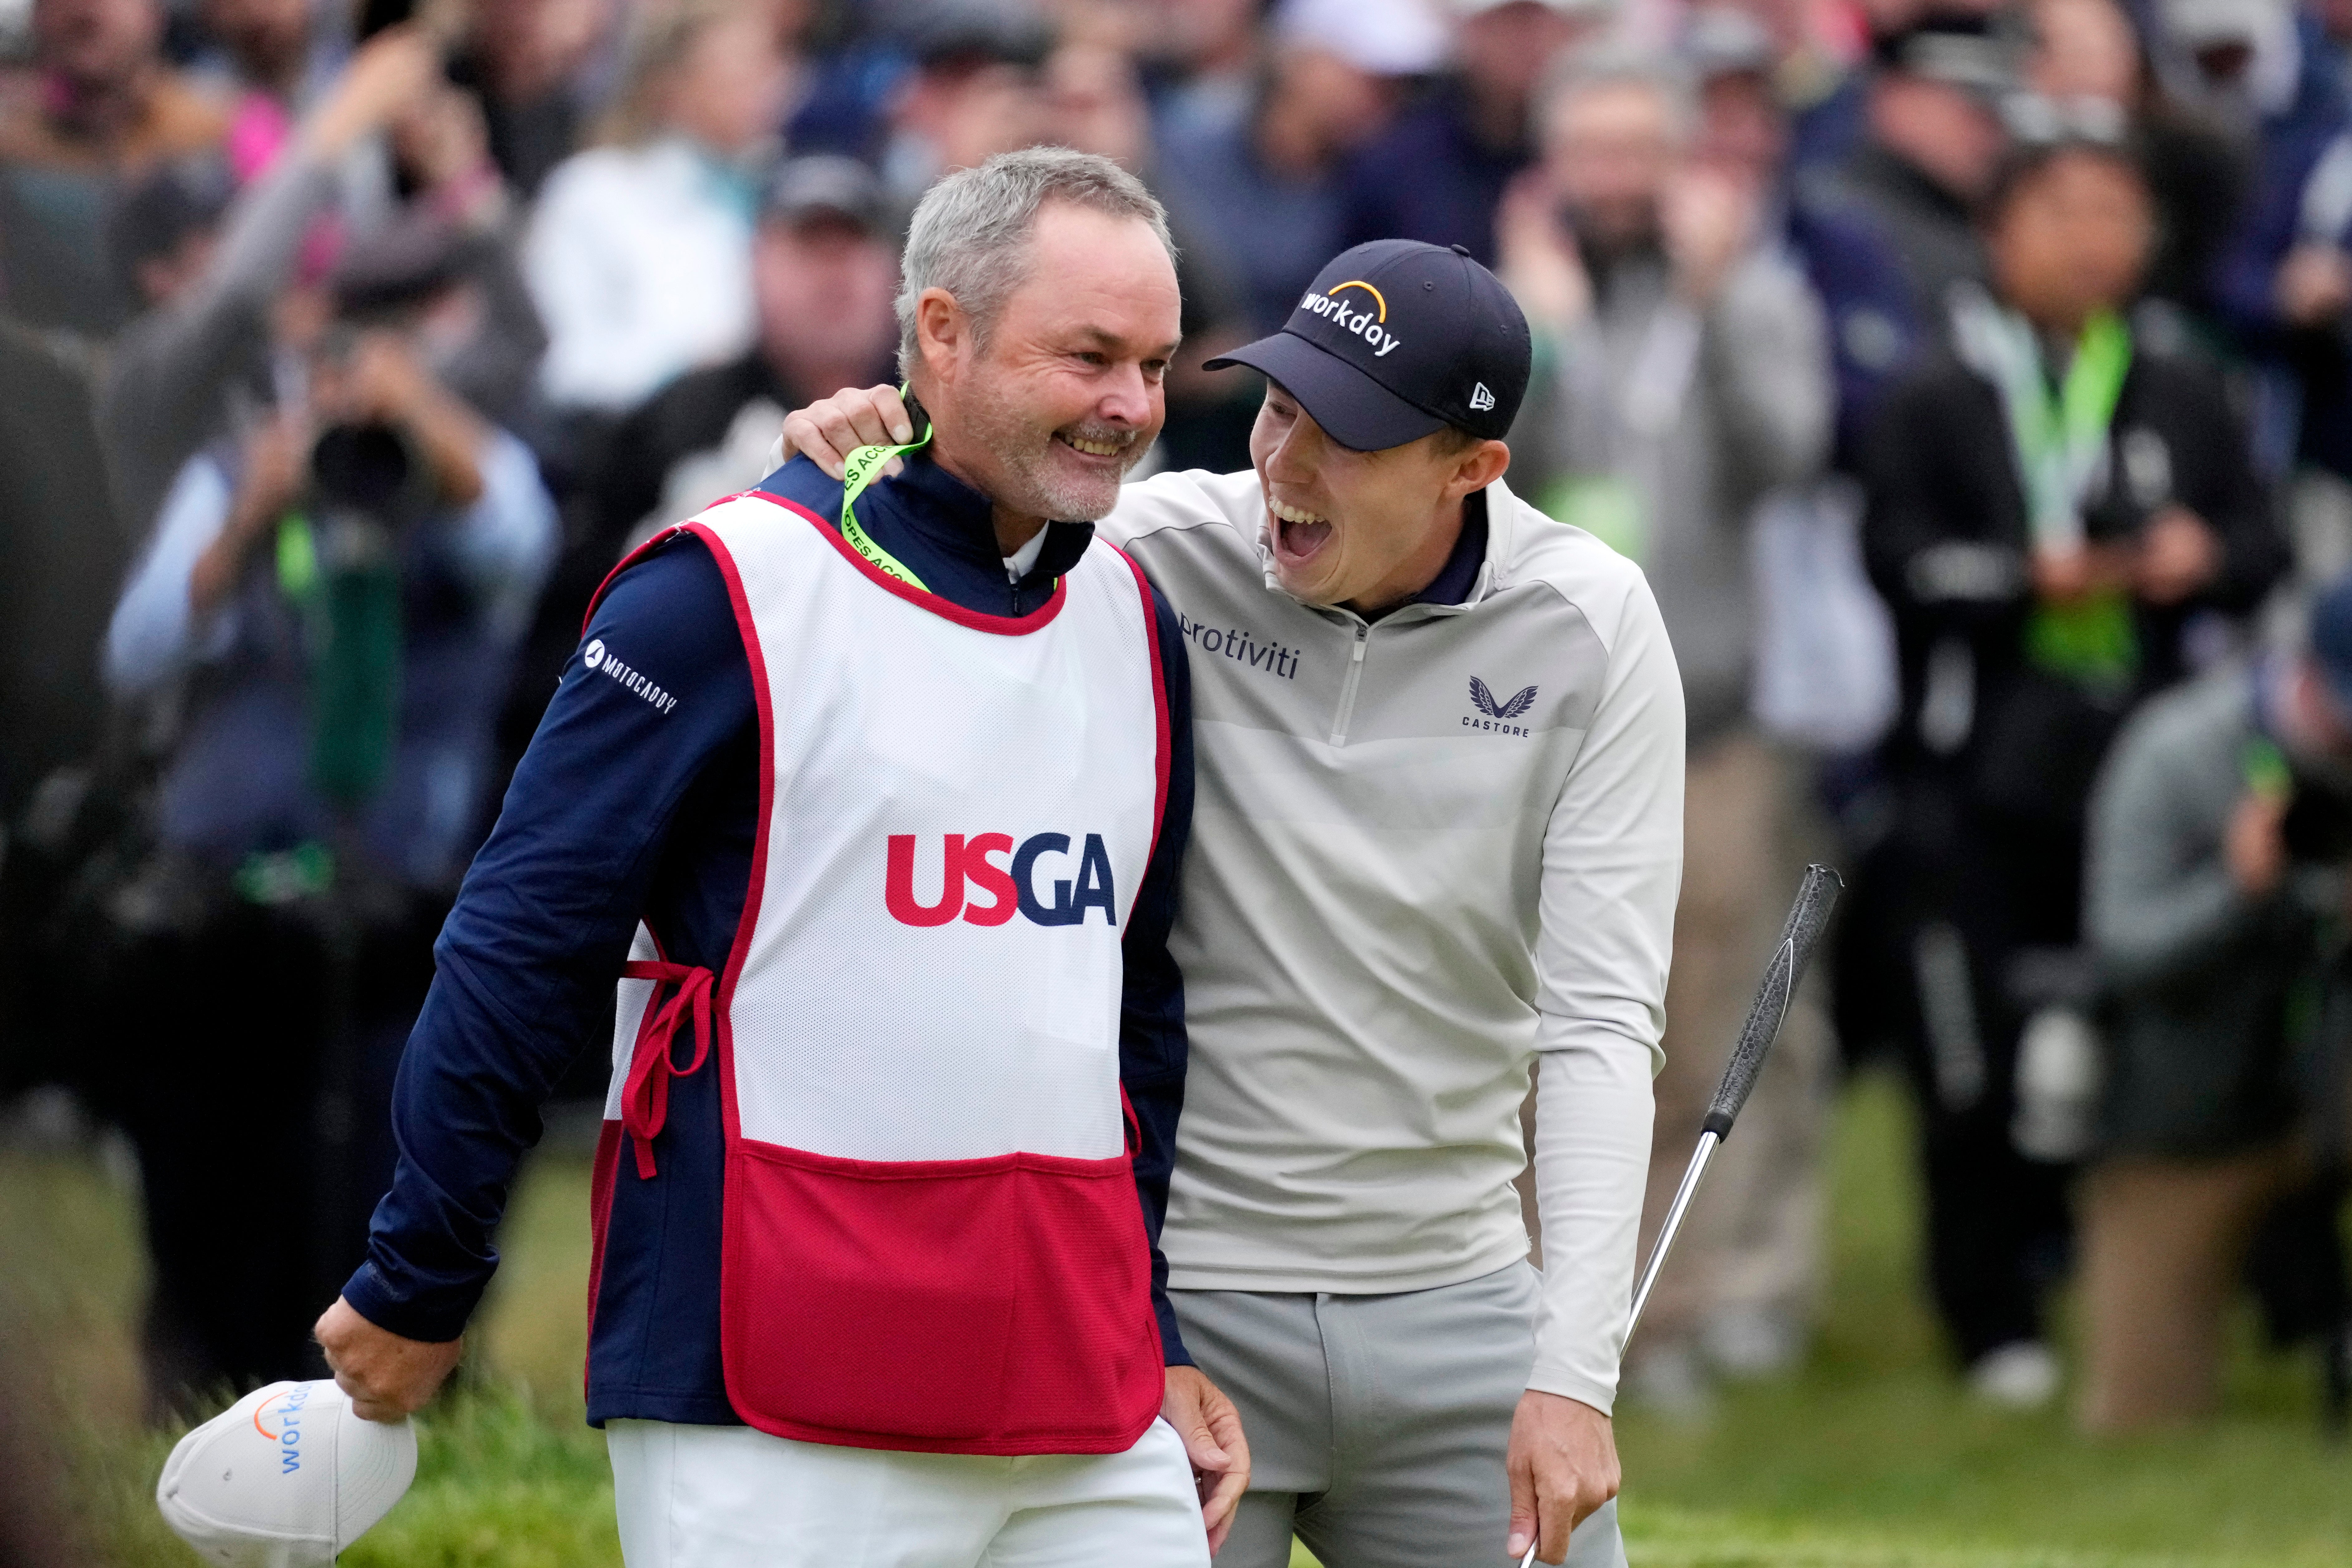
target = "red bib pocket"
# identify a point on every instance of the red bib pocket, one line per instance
(995, 1306)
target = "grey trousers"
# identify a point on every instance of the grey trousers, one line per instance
(1378, 1424)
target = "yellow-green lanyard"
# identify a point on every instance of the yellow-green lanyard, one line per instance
(858, 472)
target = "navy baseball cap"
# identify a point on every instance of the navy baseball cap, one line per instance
(1396, 340)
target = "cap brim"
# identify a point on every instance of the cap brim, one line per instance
(1353, 409)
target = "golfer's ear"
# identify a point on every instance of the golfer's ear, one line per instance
(943, 330)
(1481, 465)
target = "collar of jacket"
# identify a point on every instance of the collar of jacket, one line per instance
(957, 520)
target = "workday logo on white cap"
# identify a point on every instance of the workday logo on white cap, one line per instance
(286, 1478)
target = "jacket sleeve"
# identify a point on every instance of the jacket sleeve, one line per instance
(2229, 495)
(1611, 870)
(1152, 1046)
(524, 967)
(162, 386)
(2158, 900)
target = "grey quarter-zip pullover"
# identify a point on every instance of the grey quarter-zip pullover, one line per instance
(1424, 850)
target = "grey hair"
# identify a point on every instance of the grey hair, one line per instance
(1609, 64)
(970, 235)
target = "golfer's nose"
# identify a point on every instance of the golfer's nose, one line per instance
(1126, 397)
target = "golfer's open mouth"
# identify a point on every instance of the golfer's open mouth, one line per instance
(1299, 535)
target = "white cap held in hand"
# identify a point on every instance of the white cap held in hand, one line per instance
(286, 1478)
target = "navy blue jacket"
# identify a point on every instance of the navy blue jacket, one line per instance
(639, 798)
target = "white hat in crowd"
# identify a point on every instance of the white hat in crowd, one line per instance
(1380, 38)
(286, 1478)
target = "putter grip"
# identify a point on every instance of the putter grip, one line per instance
(1816, 895)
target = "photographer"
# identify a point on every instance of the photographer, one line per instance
(2219, 836)
(335, 596)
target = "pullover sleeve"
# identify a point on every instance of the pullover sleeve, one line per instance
(1152, 1046)
(1612, 871)
(524, 968)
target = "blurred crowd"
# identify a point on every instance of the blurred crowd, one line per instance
(1972, 380)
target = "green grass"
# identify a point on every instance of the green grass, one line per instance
(1871, 1459)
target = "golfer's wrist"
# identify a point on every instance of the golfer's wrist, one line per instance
(1568, 1383)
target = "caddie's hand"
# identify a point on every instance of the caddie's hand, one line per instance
(1562, 1464)
(387, 1376)
(1211, 1430)
(828, 431)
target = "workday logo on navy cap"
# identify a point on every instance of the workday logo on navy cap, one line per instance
(1396, 340)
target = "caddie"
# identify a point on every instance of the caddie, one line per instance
(881, 794)
(1438, 837)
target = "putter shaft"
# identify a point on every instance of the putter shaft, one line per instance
(1707, 1144)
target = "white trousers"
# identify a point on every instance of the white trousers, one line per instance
(734, 1497)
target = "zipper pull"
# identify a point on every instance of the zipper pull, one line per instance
(1363, 634)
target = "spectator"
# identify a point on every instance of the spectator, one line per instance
(640, 254)
(823, 272)
(277, 57)
(1263, 187)
(488, 345)
(1212, 48)
(340, 623)
(2219, 835)
(98, 105)
(2057, 515)
(2084, 56)
(1742, 127)
(532, 61)
(1438, 173)
(200, 354)
(1097, 105)
(1688, 378)
(2286, 283)
(1886, 234)
(973, 92)
(61, 558)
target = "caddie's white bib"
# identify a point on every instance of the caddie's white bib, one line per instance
(932, 1239)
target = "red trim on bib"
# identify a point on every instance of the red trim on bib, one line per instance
(631, 559)
(756, 889)
(946, 609)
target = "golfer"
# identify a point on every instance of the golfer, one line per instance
(882, 798)
(1440, 740)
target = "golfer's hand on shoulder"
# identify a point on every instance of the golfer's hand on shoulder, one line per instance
(827, 432)
(1211, 1430)
(385, 1376)
(1563, 1465)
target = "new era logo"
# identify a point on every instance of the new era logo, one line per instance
(1481, 399)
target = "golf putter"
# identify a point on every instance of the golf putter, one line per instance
(1808, 917)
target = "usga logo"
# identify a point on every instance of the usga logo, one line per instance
(1012, 889)
(1365, 324)
(288, 1408)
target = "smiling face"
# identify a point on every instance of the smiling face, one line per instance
(1046, 406)
(1366, 529)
